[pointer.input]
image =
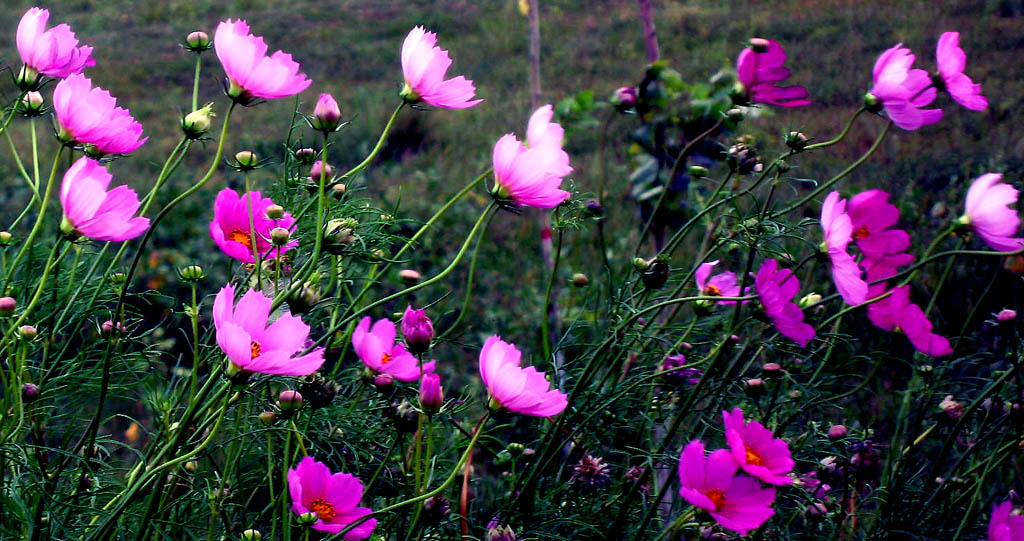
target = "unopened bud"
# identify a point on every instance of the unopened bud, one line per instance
(303, 300)
(327, 115)
(595, 209)
(872, 103)
(192, 273)
(108, 327)
(624, 98)
(384, 382)
(318, 169)
(796, 141)
(734, 114)
(417, 329)
(27, 332)
(251, 535)
(338, 190)
(951, 409)
(7, 306)
(5, 238)
(837, 432)
(191, 466)
(580, 280)
(515, 449)
(808, 300)
(431, 394)
(280, 236)
(1003, 316)
(289, 400)
(754, 387)
(246, 160)
(197, 123)
(198, 42)
(759, 45)
(771, 368)
(268, 418)
(308, 518)
(305, 156)
(118, 278)
(409, 276)
(697, 171)
(32, 104)
(29, 393)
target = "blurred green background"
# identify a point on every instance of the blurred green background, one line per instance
(351, 49)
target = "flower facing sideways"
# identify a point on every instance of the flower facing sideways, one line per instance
(244, 335)
(719, 285)
(776, 288)
(424, 65)
(989, 214)
(251, 73)
(231, 231)
(760, 67)
(838, 232)
(512, 387)
(952, 60)
(897, 313)
(531, 175)
(902, 91)
(54, 52)
(872, 216)
(375, 345)
(90, 116)
(756, 451)
(92, 211)
(334, 498)
(737, 502)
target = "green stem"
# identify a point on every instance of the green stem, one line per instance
(842, 134)
(546, 316)
(377, 148)
(30, 240)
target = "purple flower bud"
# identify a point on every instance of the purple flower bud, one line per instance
(198, 42)
(431, 394)
(951, 410)
(327, 114)
(837, 432)
(289, 400)
(384, 382)
(108, 326)
(1005, 315)
(771, 368)
(27, 332)
(754, 387)
(317, 169)
(624, 98)
(29, 393)
(417, 329)
(7, 306)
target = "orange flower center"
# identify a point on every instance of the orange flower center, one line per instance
(385, 359)
(712, 291)
(242, 237)
(323, 509)
(717, 497)
(255, 348)
(753, 458)
(861, 233)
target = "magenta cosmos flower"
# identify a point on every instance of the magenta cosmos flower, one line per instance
(756, 450)
(54, 52)
(517, 389)
(952, 60)
(776, 288)
(334, 498)
(838, 232)
(897, 313)
(871, 217)
(90, 116)
(251, 73)
(230, 226)
(1004, 524)
(719, 285)
(989, 214)
(710, 483)
(531, 175)
(94, 212)
(759, 71)
(424, 65)
(376, 347)
(252, 345)
(904, 91)
(417, 329)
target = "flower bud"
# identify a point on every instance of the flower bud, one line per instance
(697, 171)
(431, 394)
(796, 141)
(405, 416)
(1003, 316)
(118, 278)
(303, 300)
(267, 418)
(872, 103)
(197, 123)
(317, 169)
(29, 393)
(950, 409)
(28, 78)
(251, 535)
(32, 104)
(515, 449)
(759, 45)
(7, 306)
(754, 387)
(308, 518)
(409, 276)
(108, 327)
(837, 432)
(289, 400)
(580, 280)
(417, 329)
(305, 156)
(502, 533)
(434, 510)
(771, 369)
(27, 333)
(808, 300)
(338, 190)
(384, 382)
(624, 98)
(246, 160)
(280, 236)
(656, 274)
(327, 115)
(5, 238)
(198, 42)
(594, 209)
(734, 115)
(191, 466)
(319, 391)
(192, 273)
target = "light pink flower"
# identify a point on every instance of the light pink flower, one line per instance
(90, 116)
(54, 52)
(838, 233)
(904, 91)
(871, 217)
(334, 498)
(250, 344)
(897, 313)
(719, 285)
(710, 483)
(1004, 524)
(95, 212)
(952, 60)
(376, 347)
(760, 71)
(531, 176)
(756, 451)
(230, 226)
(424, 65)
(251, 73)
(776, 288)
(989, 213)
(517, 389)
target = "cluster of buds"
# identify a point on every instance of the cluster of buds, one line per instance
(743, 159)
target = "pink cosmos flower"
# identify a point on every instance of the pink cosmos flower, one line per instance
(951, 60)
(838, 233)
(531, 176)
(90, 116)
(776, 288)
(230, 226)
(94, 212)
(376, 347)
(871, 217)
(517, 389)
(424, 65)
(897, 313)
(251, 73)
(756, 450)
(54, 52)
(759, 71)
(251, 345)
(988, 212)
(1004, 524)
(719, 285)
(334, 498)
(710, 483)
(904, 91)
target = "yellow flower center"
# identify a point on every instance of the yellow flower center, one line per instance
(323, 509)
(385, 359)
(753, 458)
(255, 348)
(242, 237)
(712, 291)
